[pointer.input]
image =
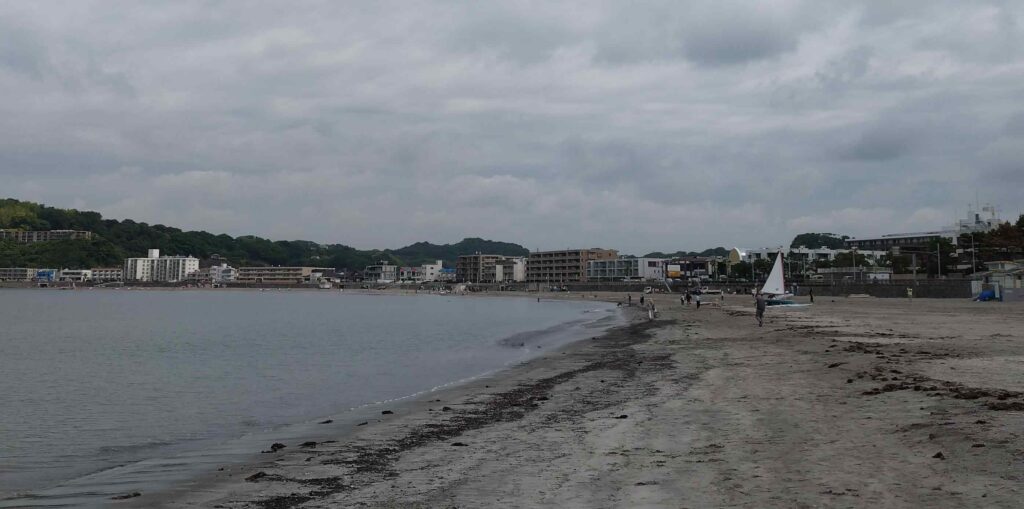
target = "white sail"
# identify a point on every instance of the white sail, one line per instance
(776, 283)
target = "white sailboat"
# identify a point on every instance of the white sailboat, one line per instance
(775, 286)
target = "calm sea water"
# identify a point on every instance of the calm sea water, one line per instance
(92, 380)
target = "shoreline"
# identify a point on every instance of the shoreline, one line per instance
(848, 402)
(226, 454)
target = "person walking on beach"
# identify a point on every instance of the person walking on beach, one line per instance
(689, 297)
(641, 301)
(759, 304)
(682, 300)
(696, 299)
(629, 299)
(810, 293)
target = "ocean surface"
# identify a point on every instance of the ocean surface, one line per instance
(108, 391)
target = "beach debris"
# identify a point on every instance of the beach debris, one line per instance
(1006, 405)
(387, 412)
(257, 476)
(836, 364)
(939, 456)
(328, 421)
(459, 444)
(981, 421)
(623, 416)
(977, 445)
(126, 496)
(308, 444)
(849, 380)
(364, 423)
(646, 483)
(276, 446)
(446, 409)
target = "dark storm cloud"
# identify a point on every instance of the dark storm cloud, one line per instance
(547, 123)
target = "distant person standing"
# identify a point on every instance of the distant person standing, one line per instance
(760, 304)
(810, 293)
(629, 299)
(689, 297)
(682, 300)
(641, 301)
(696, 299)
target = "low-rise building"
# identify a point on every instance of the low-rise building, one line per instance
(431, 271)
(30, 237)
(160, 269)
(564, 266)
(277, 275)
(107, 274)
(17, 273)
(75, 275)
(446, 276)
(217, 274)
(410, 274)
(626, 269)
(383, 272)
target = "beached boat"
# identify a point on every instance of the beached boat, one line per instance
(775, 286)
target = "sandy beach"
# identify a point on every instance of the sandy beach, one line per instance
(846, 403)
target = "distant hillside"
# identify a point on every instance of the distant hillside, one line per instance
(715, 251)
(818, 240)
(116, 240)
(425, 252)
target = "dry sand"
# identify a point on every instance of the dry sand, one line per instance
(847, 403)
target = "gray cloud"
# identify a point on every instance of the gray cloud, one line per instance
(550, 124)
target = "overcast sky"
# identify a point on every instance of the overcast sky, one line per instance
(632, 125)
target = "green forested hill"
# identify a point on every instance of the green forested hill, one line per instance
(115, 240)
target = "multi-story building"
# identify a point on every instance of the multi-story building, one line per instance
(476, 268)
(431, 271)
(626, 269)
(75, 275)
(510, 269)
(17, 274)
(107, 274)
(446, 275)
(29, 237)
(565, 266)
(160, 269)
(278, 275)
(383, 272)
(688, 267)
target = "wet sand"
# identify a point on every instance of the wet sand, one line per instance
(847, 403)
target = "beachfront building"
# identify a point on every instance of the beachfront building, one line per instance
(476, 268)
(75, 275)
(510, 269)
(278, 275)
(410, 274)
(805, 257)
(217, 274)
(431, 271)
(383, 272)
(160, 269)
(17, 273)
(689, 267)
(31, 237)
(626, 269)
(564, 266)
(107, 274)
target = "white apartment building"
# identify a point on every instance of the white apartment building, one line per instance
(625, 269)
(511, 269)
(798, 254)
(431, 271)
(160, 269)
